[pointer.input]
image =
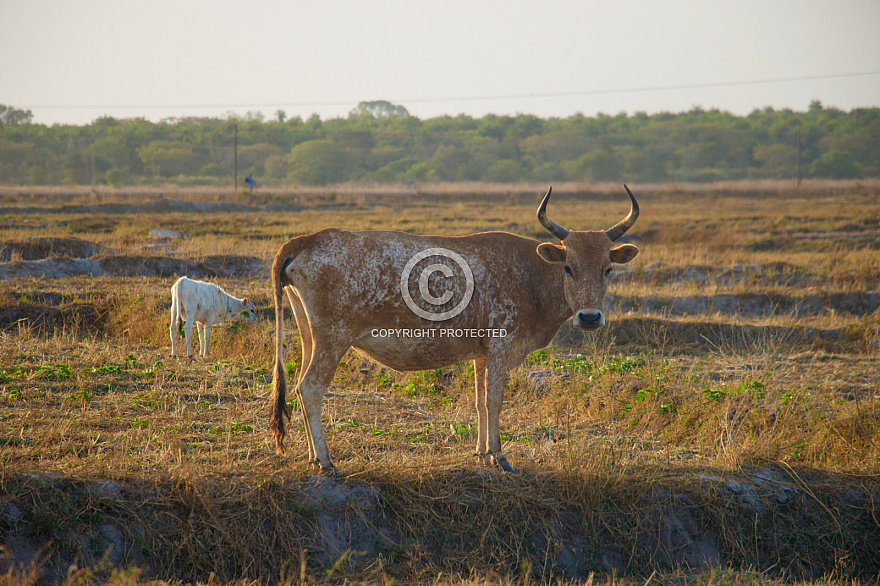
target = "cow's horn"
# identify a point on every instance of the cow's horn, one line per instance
(625, 224)
(551, 226)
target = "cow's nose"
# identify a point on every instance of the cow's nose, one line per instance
(589, 319)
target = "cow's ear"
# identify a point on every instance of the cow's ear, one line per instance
(244, 301)
(551, 252)
(624, 253)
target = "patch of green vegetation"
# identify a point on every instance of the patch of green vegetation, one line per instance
(59, 371)
(234, 427)
(148, 400)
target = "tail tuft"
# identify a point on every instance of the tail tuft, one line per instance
(279, 409)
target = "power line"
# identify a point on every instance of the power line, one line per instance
(632, 90)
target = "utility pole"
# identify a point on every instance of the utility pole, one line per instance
(798, 155)
(235, 160)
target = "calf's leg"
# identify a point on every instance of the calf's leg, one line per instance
(188, 332)
(204, 339)
(172, 331)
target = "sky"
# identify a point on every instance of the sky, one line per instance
(72, 62)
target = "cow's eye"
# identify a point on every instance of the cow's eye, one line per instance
(608, 271)
(568, 271)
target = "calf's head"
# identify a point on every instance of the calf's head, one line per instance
(586, 259)
(246, 311)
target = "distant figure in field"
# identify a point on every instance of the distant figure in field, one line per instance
(207, 305)
(250, 181)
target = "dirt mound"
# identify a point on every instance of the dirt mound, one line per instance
(167, 206)
(540, 527)
(37, 248)
(709, 334)
(136, 266)
(751, 304)
(161, 206)
(46, 318)
(778, 274)
(46, 311)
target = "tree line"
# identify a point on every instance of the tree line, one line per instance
(381, 142)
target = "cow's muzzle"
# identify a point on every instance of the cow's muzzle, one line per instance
(589, 319)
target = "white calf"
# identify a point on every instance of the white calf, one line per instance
(207, 305)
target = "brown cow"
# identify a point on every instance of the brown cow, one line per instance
(491, 297)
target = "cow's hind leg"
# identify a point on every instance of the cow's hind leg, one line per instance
(305, 337)
(311, 389)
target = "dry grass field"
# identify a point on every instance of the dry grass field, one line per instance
(723, 429)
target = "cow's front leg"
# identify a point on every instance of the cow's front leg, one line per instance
(490, 381)
(482, 412)
(496, 378)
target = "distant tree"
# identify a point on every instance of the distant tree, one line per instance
(596, 165)
(251, 158)
(169, 158)
(776, 161)
(74, 169)
(504, 171)
(319, 162)
(115, 177)
(357, 142)
(395, 170)
(14, 116)
(836, 165)
(421, 171)
(555, 147)
(380, 109)
(382, 142)
(381, 156)
(634, 163)
(458, 164)
(215, 169)
(37, 175)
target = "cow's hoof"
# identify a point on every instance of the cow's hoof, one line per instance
(498, 461)
(502, 463)
(330, 471)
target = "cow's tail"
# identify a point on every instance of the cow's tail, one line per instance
(279, 409)
(179, 315)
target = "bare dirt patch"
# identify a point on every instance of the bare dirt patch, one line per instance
(39, 248)
(136, 266)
